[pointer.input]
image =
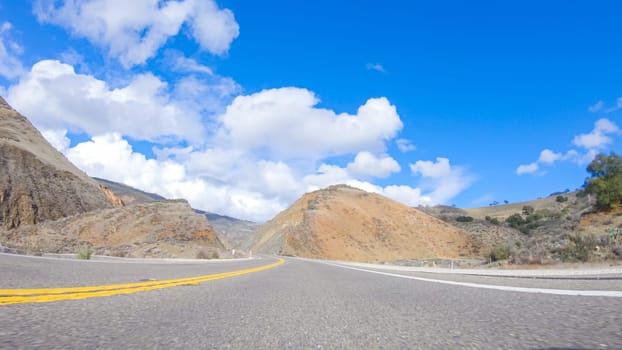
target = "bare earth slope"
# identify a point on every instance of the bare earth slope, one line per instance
(344, 223)
(154, 229)
(37, 182)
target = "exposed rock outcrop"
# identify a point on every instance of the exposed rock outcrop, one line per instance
(37, 182)
(154, 229)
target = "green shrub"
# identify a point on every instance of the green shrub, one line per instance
(528, 210)
(500, 252)
(561, 199)
(579, 248)
(464, 219)
(515, 220)
(85, 252)
(492, 220)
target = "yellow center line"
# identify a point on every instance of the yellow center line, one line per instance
(43, 295)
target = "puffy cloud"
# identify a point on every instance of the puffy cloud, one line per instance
(325, 176)
(407, 195)
(442, 180)
(57, 138)
(549, 157)
(527, 168)
(182, 63)
(367, 164)
(135, 33)
(375, 66)
(597, 107)
(594, 141)
(10, 65)
(142, 109)
(428, 168)
(285, 122)
(599, 137)
(405, 145)
(112, 157)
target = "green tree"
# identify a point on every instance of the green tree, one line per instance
(515, 220)
(528, 210)
(605, 181)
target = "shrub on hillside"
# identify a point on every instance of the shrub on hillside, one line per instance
(500, 252)
(579, 248)
(464, 219)
(515, 220)
(492, 220)
(561, 199)
(528, 210)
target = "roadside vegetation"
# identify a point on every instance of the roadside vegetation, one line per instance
(84, 252)
(605, 181)
(580, 226)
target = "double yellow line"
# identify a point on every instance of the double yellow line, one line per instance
(44, 295)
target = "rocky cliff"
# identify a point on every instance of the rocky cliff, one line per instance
(37, 182)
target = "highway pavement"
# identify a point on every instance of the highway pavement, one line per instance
(298, 304)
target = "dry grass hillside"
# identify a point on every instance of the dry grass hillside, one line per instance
(344, 223)
(154, 229)
(37, 182)
(560, 228)
(506, 210)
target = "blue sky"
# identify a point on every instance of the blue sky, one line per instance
(239, 106)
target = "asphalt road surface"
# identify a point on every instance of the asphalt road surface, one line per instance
(296, 305)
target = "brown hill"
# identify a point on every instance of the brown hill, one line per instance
(49, 205)
(37, 182)
(151, 229)
(344, 223)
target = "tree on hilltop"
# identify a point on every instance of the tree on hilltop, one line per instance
(605, 181)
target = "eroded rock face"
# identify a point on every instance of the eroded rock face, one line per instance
(344, 223)
(115, 200)
(32, 191)
(154, 229)
(37, 182)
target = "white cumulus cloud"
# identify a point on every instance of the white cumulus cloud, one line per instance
(286, 122)
(133, 31)
(405, 145)
(55, 97)
(367, 164)
(599, 137)
(10, 65)
(549, 157)
(375, 66)
(428, 168)
(594, 141)
(527, 168)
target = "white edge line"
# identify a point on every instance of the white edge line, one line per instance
(585, 293)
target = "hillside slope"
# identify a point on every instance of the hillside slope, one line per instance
(153, 229)
(344, 223)
(232, 231)
(37, 182)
